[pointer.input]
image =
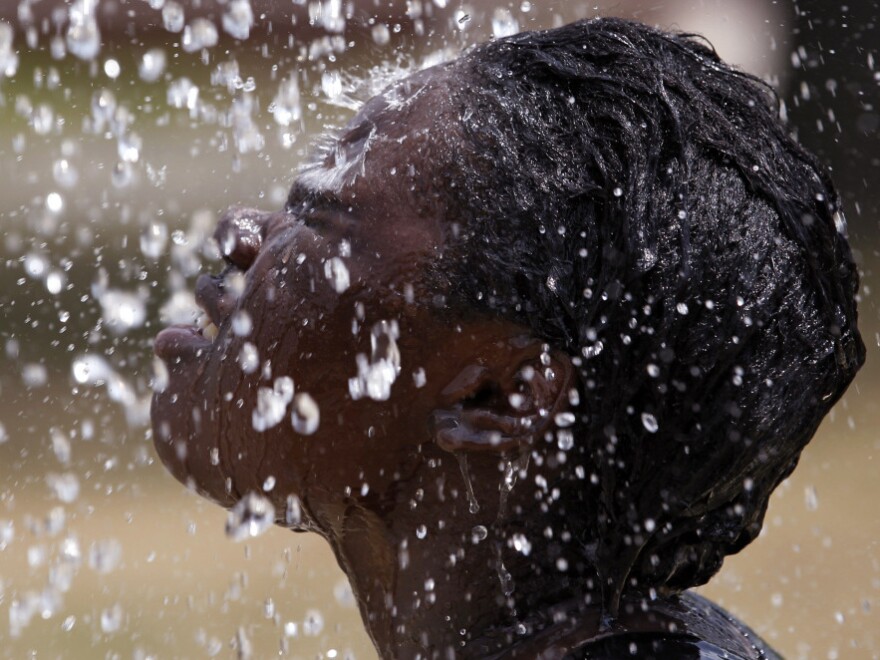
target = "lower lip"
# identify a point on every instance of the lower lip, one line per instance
(178, 341)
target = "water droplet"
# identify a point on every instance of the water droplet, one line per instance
(286, 108)
(201, 33)
(521, 544)
(269, 484)
(618, 192)
(112, 68)
(42, 119)
(565, 440)
(682, 308)
(182, 93)
(811, 498)
(473, 505)
(64, 173)
(122, 175)
(105, 556)
(421, 531)
(272, 404)
(306, 415)
(241, 323)
(590, 352)
(248, 358)
(122, 310)
(238, 19)
(129, 147)
(479, 533)
(8, 56)
(83, 37)
(61, 446)
(331, 84)
(381, 34)
(111, 619)
(54, 202)
(343, 594)
(245, 132)
(34, 375)
(172, 16)
(153, 240)
(313, 623)
(377, 375)
(503, 23)
(250, 517)
(337, 273)
(650, 423)
(840, 223)
(152, 65)
(564, 419)
(293, 513)
(64, 486)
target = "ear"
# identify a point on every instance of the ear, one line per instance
(502, 408)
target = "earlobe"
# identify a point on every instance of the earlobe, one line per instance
(502, 412)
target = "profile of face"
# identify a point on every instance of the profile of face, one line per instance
(332, 366)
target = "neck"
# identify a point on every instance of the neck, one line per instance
(436, 569)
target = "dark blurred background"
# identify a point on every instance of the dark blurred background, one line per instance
(121, 140)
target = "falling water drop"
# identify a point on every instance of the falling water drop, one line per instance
(201, 33)
(238, 19)
(250, 517)
(83, 37)
(337, 273)
(306, 415)
(172, 16)
(473, 505)
(504, 24)
(152, 65)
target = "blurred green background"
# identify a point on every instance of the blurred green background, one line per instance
(102, 554)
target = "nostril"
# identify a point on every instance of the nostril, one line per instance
(239, 235)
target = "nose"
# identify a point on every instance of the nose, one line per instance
(240, 233)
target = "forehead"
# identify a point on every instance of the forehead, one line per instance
(402, 126)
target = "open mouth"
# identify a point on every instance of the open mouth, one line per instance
(239, 235)
(217, 296)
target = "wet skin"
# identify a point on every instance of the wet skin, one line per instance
(301, 325)
(386, 482)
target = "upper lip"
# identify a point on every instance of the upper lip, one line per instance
(213, 297)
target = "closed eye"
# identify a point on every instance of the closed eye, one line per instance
(328, 221)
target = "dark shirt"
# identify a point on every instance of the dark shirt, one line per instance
(712, 634)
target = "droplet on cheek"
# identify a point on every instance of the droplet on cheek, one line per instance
(306, 416)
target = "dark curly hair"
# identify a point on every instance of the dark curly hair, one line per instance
(639, 204)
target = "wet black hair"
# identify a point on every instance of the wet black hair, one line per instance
(639, 204)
